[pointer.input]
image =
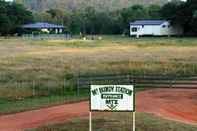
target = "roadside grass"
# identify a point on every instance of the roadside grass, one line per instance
(119, 122)
(31, 103)
(49, 66)
(37, 102)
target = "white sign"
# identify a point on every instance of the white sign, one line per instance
(112, 98)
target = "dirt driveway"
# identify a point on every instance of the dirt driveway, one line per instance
(174, 104)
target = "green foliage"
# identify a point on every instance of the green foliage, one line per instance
(182, 13)
(154, 11)
(131, 14)
(12, 16)
(73, 5)
(91, 21)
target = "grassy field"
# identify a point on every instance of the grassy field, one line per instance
(35, 71)
(119, 122)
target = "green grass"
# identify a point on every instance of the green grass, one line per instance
(148, 41)
(119, 122)
(30, 103)
(119, 40)
(6, 106)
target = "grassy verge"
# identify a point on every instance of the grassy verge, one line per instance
(119, 122)
(6, 106)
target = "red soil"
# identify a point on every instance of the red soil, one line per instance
(175, 104)
(32, 119)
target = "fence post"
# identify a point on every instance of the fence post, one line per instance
(134, 121)
(16, 89)
(64, 86)
(172, 80)
(128, 77)
(78, 77)
(33, 84)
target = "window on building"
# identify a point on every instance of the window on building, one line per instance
(134, 29)
(164, 26)
(142, 26)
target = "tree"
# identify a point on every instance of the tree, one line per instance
(12, 16)
(76, 22)
(154, 11)
(192, 7)
(5, 22)
(57, 15)
(42, 17)
(168, 11)
(131, 14)
(182, 13)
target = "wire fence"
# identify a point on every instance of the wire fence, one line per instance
(32, 88)
(35, 88)
(140, 81)
(47, 36)
(30, 94)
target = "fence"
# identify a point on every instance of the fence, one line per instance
(145, 81)
(29, 94)
(31, 88)
(47, 36)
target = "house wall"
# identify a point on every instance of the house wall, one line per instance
(146, 30)
(157, 30)
(171, 29)
(150, 30)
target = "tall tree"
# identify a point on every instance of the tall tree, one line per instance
(131, 14)
(182, 13)
(154, 11)
(12, 16)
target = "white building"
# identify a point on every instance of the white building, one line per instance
(154, 28)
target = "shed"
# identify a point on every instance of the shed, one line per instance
(154, 28)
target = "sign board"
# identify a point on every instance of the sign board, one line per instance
(112, 98)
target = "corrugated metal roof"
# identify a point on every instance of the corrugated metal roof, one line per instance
(148, 22)
(42, 25)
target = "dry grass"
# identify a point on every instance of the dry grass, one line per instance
(42, 61)
(52, 60)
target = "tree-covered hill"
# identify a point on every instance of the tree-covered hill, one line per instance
(106, 5)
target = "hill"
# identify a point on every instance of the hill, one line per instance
(107, 5)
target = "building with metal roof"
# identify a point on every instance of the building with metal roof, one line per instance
(45, 27)
(154, 28)
(148, 22)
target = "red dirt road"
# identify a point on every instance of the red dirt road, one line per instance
(32, 119)
(174, 104)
